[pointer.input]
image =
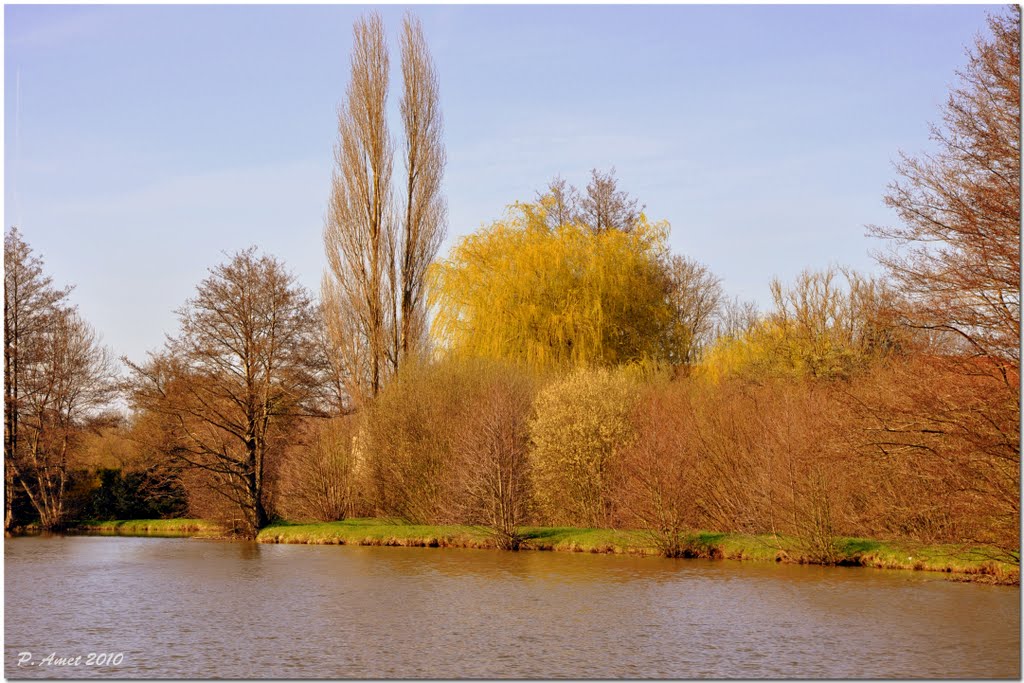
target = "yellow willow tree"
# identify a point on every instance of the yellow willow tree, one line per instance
(568, 296)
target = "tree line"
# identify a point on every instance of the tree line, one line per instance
(560, 366)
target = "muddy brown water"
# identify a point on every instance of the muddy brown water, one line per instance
(180, 608)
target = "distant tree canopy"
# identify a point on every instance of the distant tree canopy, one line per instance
(827, 324)
(602, 206)
(560, 296)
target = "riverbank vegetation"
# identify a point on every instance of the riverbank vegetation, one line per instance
(560, 378)
(153, 527)
(961, 562)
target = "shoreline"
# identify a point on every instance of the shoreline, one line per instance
(960, 563)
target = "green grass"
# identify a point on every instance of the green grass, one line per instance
(953, 559)
(570, 539)
(153, 527)
(375, 532)
(962, 563)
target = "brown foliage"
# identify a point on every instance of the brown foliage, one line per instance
(658, 471)
(758, 459)
(947, 425)
(407, 441)
(447, 443)
(939, 453)
(910, 450)
(229, 387)
(492, 467)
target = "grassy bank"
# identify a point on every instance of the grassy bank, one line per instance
(153, 527)
(964, 564)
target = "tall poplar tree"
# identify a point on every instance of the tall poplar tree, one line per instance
(378, 254)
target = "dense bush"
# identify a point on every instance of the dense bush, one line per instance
(135, 495)
(659, 469)
(580, 425)
(939, 453)
(407, 442)
(734, 456)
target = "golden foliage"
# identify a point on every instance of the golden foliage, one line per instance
(563, 297)
(827, 324)
(579, 426)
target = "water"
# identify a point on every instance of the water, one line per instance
(184, 608)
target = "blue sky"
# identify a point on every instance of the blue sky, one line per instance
(144, 142)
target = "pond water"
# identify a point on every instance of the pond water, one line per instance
(180, 608)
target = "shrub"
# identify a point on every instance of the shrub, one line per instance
(406, 446)
(492, 472)
(135, 495)
(580, 424)
(317, 478)
(656, 489)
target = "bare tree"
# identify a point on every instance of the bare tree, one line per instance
(697, 298)
(956, 258)
(425, 213)
(359, 233)
(735, 318)
(602, 207)
(56, 375)
(956, 254)
(69, 380)
(246, 362)
(30, 304)
(561, 202)
(605, 207)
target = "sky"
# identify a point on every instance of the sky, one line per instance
(145, 144)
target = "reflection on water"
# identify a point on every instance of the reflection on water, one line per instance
(192, 608)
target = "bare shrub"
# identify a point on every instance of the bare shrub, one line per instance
(797, 419)
(657, 489)
(941, 453)
(318, 474)
(408, 440)
(491, 475)
(738, 457)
